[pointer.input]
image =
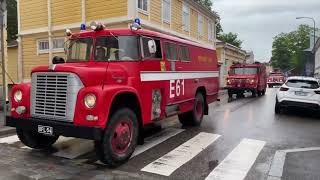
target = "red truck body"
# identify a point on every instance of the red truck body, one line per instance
(104, 95)
(275, 79)
(247, 77)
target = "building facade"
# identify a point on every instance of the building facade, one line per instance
(316, 52)
(42, 23)
(227, 55)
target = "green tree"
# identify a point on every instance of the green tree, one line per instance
(12, 21)
(287, 48)
(231, 38)
(205, 3)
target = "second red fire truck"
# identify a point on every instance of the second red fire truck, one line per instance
(113, 83)
(247, 77)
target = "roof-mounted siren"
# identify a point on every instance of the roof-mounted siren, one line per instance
(96, 26)
(68, 32)
(136, 25)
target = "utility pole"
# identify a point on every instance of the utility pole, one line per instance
(3, 8)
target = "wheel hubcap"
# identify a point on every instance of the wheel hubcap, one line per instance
(121, 137)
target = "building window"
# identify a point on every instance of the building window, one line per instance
(57, 45)
(186, 17)
(200, 25)
(143, 4)
(166, 11)
(210, 30)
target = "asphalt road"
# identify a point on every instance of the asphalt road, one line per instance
(242, 139)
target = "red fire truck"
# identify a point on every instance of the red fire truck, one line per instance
(113, 83)
(275, 79)
(247, 77)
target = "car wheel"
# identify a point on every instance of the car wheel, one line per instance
(194, 117)
(120, 138)
(35, 140)
(277, 108)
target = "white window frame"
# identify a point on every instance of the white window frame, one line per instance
(141, 10)
(200, 28)
(45, 51)
(170, 6)
(210, 30)
(186, 27)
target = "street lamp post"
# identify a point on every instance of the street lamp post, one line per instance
(3, 7)
(314, 28)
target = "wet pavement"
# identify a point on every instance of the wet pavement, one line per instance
(238, 140)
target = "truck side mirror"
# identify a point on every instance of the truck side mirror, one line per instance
(58, 60)
(152, 46)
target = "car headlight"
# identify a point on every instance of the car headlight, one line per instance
(90, 100)
(18, 96)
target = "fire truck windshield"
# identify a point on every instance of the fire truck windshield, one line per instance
(79, 50)
(244, 71)
(117, 48)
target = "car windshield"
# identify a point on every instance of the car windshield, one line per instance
(244, 71)
(114, 48)
(302, 84)
(79, 50)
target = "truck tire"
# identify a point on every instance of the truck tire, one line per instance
(194, 117)
(264, 92)
(254, 93)
(270, 86)
(35, 140)
(119, 139)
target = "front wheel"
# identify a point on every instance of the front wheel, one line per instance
(120, 138)
(194, 117)
(35, 140)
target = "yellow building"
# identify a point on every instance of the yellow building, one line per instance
(228, 55)
(42, 23)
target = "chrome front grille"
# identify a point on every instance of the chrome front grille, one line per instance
(54, 95)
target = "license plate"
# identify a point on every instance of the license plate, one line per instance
(47, 130)
(299, 93)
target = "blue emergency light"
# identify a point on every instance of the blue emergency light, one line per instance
(82, 27)
(136, 25)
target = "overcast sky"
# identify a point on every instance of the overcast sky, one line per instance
(258, 21)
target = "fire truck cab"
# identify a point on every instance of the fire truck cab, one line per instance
(112, 84)
(247, 77)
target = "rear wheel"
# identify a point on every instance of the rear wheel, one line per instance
(35, 140)
(120, 138)
(270, 86)
(277, 108)
(194, 117)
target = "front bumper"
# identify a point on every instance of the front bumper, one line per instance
(239, 89)
(59, 128)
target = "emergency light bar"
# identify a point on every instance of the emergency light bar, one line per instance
(136, 25)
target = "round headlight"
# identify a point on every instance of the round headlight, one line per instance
(90, 100)
(18, 96)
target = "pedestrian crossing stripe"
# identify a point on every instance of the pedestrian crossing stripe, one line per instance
(238, 163)
(170, 162)
(235, 166)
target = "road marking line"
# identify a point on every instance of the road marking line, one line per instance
(238, 163)
(276, 169)
(9, 140)
(170, 162)
(156, 139)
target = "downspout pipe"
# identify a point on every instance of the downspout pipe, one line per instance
(50, 31)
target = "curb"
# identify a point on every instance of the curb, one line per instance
(7, 130)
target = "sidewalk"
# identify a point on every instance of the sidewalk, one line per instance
(3, 129)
